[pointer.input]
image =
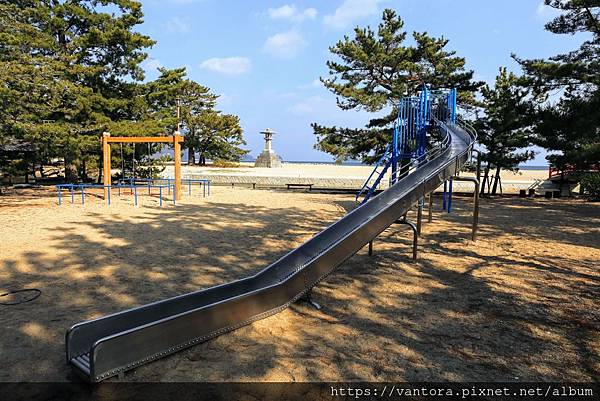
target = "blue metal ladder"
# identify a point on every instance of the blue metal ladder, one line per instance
(380, 169)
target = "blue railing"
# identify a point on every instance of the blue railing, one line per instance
(78, 190)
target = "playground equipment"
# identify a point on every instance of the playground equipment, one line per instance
(106, 159)
(164, 185)
(417, 115)
(135, 183)
(107, 346)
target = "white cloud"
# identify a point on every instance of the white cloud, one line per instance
(311, 105)
(225, 100)
(227, 65)
(350, 11)
(315, 83)
(151, 64)
(545, 12)
(291, 13)
(284, 44)
(178, 25)
(541, 9)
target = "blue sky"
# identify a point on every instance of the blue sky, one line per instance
(265, 57)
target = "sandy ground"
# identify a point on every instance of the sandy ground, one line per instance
(519, 304)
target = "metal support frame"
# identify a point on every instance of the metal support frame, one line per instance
(420, 215)
(415, 235)
(444, 195)
(308, 298)
(430, 208)
(475, 204)
(132, 186)
(415, 231)
(449, 200)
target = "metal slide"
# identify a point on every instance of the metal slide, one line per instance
(104, 347)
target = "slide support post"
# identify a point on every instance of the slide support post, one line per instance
(430, 208)
(475, 223)
(415, 235)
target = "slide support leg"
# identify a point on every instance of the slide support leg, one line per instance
(449, 203)
(420, 215)
(430, 208)
(415, 235)
(444, 195)
(475, 224)
(307, 297)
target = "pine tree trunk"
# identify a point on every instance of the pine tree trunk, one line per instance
(70, 169)
(84, 170)
(496, 179)
(486, 174)
(26, 172)
(191, 156)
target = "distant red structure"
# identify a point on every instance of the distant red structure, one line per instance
(555, 172)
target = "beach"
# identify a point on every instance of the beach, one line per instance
(518, 304)
(331, 176)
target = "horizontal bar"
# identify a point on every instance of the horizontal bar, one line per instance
(144, 139)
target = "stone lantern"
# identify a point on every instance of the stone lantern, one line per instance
(268, 157)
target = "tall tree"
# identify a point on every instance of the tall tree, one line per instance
(69, 70)
(570, 126)
(216, 136)
(206, 130)
(502, 126)
(374, 70)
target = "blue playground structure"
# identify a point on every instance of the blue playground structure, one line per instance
(408, 148)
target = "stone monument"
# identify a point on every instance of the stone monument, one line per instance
(268, 157)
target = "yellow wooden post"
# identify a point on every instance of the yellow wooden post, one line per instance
(177, 158)
(106, 179)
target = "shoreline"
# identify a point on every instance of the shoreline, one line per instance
(331, 176)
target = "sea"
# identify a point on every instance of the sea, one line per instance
(357, 163)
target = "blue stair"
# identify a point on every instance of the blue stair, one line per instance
(380, 169)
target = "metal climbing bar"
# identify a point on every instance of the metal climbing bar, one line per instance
(133, 185)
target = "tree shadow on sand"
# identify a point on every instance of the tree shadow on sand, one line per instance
(383, 317)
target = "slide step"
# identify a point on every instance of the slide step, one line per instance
(82, 363)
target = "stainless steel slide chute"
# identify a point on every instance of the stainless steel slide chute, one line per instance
(104, 347)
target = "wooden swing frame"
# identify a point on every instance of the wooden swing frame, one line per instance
(106, 155)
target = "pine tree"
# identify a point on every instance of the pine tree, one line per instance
(571, 125)
(375, 70)
(502, 126)
(216, 136)
(206, 130)
(68, 70)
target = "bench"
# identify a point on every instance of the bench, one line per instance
(233, 184)
(309, 186)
